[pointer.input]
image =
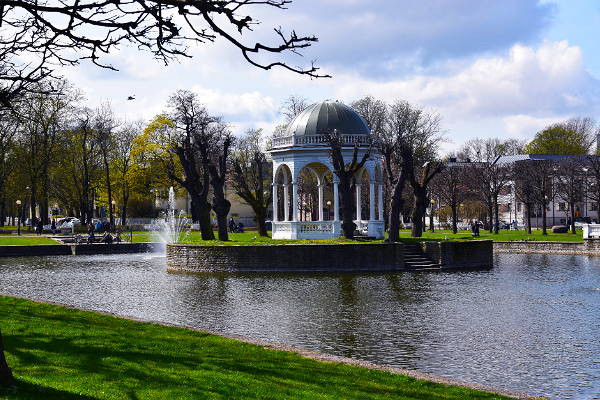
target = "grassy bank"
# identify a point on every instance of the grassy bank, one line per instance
(60, 353)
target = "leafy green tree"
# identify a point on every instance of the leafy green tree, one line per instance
(153, 164)
(122, 166)
(558, 140)
(44, 118)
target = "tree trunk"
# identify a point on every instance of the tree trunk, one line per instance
(261, 216)
(221, 207)
(6, 375)
(454, 217)
(496, 216)
(348, 209)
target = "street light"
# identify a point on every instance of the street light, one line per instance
(113, 213)
(19, 218)
(328, 210)
(431, 216)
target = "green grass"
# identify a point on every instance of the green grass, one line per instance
(25, 240)
(61, 353)
(247, 238)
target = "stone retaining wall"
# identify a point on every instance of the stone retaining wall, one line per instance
(287, 257)
(588, 247)
(324, 257)
(473, 254)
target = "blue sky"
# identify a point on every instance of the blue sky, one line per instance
(503, 69)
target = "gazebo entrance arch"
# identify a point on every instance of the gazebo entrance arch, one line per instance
(293, 151)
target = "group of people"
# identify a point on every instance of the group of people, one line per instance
(107, 237)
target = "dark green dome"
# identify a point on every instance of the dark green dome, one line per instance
(327, 115)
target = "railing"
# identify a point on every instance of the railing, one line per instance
(306, 229)
(314, 140)
(591, 230)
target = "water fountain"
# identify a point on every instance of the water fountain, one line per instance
(169, 228)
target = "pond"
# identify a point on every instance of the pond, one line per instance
(529, 324)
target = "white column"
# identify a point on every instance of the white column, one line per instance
(295, 201)
(358, 210)
(275, 201)
(380, 202)
(321, 202)
(372, 202)
(286, 202)
(336, 206)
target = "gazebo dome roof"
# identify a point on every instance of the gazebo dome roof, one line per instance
(327, 115)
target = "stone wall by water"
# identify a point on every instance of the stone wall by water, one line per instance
(287, 257)
(323, 257)
(475, 253)
(588, 247)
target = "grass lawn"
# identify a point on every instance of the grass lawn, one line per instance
(60, 353)
(503, 235)
(25, 240)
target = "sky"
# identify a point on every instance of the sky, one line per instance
(491, 69)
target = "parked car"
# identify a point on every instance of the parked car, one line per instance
(503, 225)
(68, 220)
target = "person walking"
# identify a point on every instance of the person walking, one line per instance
(53, 226)
(231, 225)
(40, 227)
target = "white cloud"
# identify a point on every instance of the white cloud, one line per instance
(551, 80)
(237, 107)
(524, 126)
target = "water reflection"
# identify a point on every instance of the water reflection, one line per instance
(529, 324)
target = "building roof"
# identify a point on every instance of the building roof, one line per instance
(327, 115)
(523, 157)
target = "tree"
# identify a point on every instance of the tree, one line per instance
(592, 163)
(251, 176)
(569, 179)
(525, 187)
(346, 174)
(488, 175)
(203, 148)
(6, 375)
(293, 106)
(43, 118)
(214, 159)
(122, 163)
(409, 142)
(558, 140)
(9, 128)
(153, 164)
(67, 32)
(453, 188)
(105, 124)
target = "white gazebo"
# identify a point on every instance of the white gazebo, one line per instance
(301, 147)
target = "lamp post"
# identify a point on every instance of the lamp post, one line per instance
(431, 216)
(328, 210)
(112, 214)
(19, 218)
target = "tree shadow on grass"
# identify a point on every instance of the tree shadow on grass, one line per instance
(22, 390)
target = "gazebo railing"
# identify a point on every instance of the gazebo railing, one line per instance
(305, 229)
(313, 140)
